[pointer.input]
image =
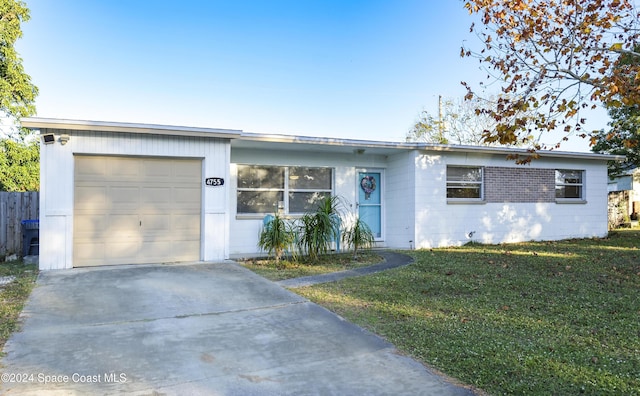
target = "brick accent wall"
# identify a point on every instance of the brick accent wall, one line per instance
(503, 184)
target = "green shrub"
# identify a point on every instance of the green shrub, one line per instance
(316, 230)
(358, 235)
(276, 237)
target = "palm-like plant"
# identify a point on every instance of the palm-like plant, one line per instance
(276, 237)
(359, 236)
(318, 229)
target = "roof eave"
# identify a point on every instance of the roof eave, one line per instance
(55, 124)
(519, 151)
(424, 146)
(274, 138)
(124, 127)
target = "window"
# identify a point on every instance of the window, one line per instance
(262, 188)
(569, 184)
(306, 187)
(464, 183)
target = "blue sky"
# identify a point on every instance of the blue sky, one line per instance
(351, 69)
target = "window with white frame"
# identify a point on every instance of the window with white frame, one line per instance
(464, 183)
(262, 188)
(569, 184)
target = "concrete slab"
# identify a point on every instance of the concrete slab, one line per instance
(389, 260)
(203, 329)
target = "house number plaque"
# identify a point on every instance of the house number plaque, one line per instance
(214, 181)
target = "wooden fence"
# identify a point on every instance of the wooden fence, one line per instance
(15, 207)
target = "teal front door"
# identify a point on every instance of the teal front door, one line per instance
(370, 201)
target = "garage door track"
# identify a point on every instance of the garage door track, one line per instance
(209, 329)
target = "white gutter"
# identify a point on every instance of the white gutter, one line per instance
(520, 151)
(270, 138)
(124, 127)
(421, 146)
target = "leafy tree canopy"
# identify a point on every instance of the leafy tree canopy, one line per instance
(19, 165)
(19, 156)
(623, 137)
(556, 57)
(458, 122)
(17, 93)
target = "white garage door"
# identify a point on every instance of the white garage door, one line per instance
(130, 210)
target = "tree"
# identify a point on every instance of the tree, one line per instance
(457, 123)
(19, 165)
(17, 93)
(19, 156)
(623, 137)
(559, 57)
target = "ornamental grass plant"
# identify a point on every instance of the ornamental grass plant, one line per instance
(358, 235)
(318, 229)
(276, 237)
(313, 234)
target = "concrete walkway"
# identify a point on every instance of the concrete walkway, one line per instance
(202, 329)
(391, 260)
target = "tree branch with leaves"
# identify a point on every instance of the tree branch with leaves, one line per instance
(556, 57)
(623, 136)
(458, 122)
(19, 157)
(17, 93)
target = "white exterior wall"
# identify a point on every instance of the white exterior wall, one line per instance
(439, 223)
(57, 187)
(400, 200)
(245, 230)
(415, 209)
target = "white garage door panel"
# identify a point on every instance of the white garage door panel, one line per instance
(157, 168)
(115, 250)
(124, 198)
(120, 225)
(127, 169)
(156, 198)
(158, 223)
(91, 226)
(188, 198)
(184, 224)
(89, 252)
(156, 250)
(86, 169)
(91, 198)
(136, 210)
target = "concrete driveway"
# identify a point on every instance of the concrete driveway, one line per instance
(209, 329)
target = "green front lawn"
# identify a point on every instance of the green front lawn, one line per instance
(547, 318)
